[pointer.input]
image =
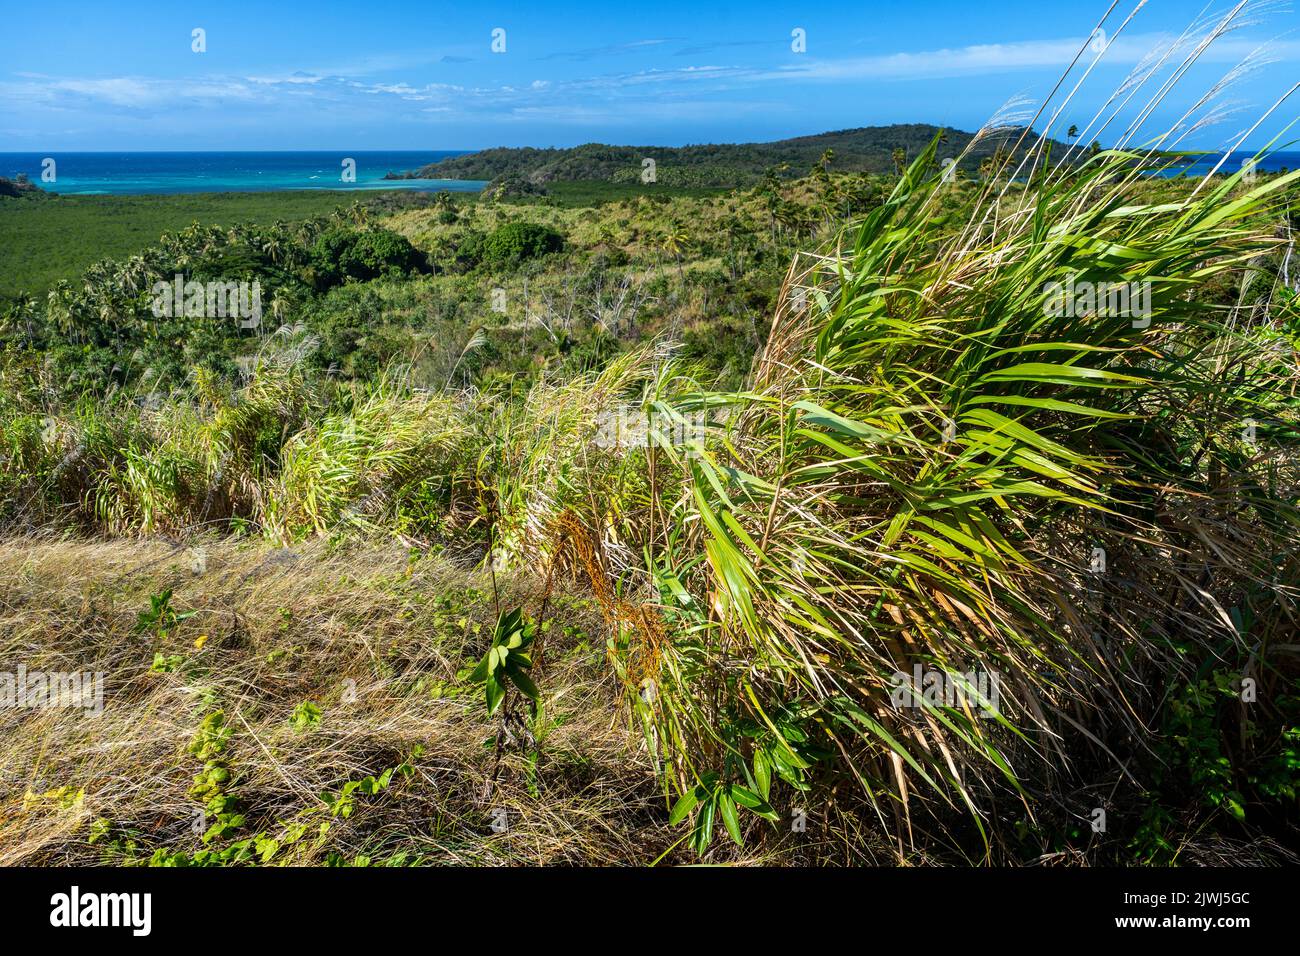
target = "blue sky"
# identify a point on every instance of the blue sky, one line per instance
(399, 75)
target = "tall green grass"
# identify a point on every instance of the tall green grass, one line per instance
(934, 466)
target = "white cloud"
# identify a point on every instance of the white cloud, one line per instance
(127, 92)
(993, 58)
(615, 98)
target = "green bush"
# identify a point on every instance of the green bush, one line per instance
(516, 242)
(341, 254)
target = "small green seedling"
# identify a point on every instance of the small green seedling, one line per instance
(161, 618)
(506, 661)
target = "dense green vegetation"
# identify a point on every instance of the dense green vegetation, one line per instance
(624, 520)
(509, 245)
(587, 192)
(20, 188)
(60, 236)
(874, 149)
(578, 285)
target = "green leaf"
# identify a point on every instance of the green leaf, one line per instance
(523, 682)
(684, 805)
(495, 694)
(729, 818)
(480, 673)
(704, 826)
(751, 801)
(763, 774)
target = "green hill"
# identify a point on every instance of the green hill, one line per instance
(867, 149)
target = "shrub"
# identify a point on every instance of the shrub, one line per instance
(516, 242)
(341, 254)
(925, 459)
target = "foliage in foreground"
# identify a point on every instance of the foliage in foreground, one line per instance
(937, 469)
(1079, 523)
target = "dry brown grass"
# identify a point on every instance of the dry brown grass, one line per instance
(284, 626)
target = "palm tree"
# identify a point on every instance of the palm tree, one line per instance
(19, 316)
(445, 206)
(821, 171)
(992, 165)
(273, 248)
(789, 216)
(134, 275)
(279, 302)
(58, 310)
(769, 190)
(675, 242)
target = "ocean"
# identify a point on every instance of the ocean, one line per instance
(1202, 164)
(102, 174)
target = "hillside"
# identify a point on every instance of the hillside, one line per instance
(867, 149)
(20, 188)
(671, 528)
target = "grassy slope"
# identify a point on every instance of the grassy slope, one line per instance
(282, 627)
(36, 253)
(285, 629)
(48, 240)
(594, 192)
